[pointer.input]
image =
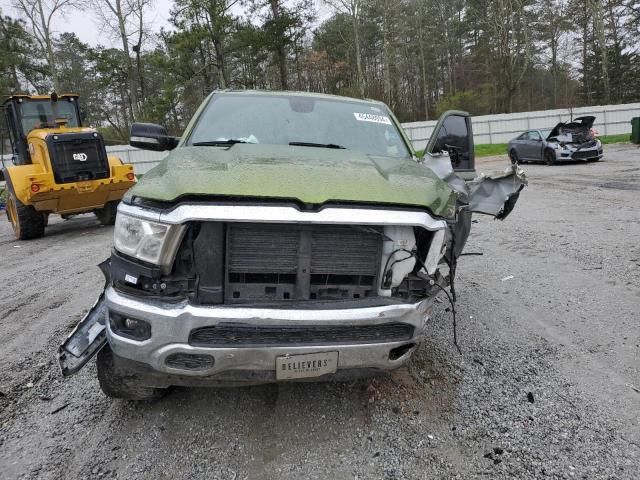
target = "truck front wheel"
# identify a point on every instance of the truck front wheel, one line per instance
(118, 382)
(107, 214)
(26, 221)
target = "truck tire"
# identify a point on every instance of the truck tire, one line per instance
(117, 382)
(107, 214)
(26, 221)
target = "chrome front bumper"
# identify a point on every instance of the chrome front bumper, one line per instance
(171, 325)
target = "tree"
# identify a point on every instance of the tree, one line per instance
(553, 24)
(352, 8)
(19, 67)
(125, 19)
(510, 31)
(597, 13)
(282, 26)
(40, 15)
(212, 22)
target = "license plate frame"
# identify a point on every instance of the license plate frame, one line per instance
(306, 365)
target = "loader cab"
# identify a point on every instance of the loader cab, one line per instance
(25, 113)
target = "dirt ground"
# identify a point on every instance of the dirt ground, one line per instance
(548, 385)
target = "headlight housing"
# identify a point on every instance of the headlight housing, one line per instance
(145, 240)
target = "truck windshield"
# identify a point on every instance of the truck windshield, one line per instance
(299, 120)
(43, 114)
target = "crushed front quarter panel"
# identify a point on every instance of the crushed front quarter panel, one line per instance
(491, 194)
(496, 194)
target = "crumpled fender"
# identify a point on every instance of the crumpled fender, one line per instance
(492, 194)
(496, 194)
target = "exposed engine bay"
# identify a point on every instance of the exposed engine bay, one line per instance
(289, 265)
(576, 131)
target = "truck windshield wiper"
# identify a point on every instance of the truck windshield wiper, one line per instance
(320, 145)
(215, 143)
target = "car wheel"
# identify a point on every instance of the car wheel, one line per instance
(513, 156)
(118, 382)
(549, 157)
(26, 221)
(107, 214)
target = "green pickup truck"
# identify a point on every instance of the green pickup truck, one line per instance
(286, 236)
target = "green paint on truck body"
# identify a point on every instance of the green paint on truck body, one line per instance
(307, 174)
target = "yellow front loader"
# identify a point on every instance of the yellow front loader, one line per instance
(57, 165)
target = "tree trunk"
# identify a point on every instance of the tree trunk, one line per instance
(585, 58)
(133, 87)
(138, 59)
(598, 27)
(423, 72)
(356, 41)
(386, 67)
(48, 43)
(281, 50)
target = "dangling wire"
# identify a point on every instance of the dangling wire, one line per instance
(452, 276)
(453, 314)
(452, 270)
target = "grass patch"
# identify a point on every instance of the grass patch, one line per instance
(482, 150)
(620, 138)
(489, 149)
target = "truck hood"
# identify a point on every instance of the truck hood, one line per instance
(307, 174)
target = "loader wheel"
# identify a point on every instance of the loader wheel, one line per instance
(118, 382)
(107, 214)
(26, 221)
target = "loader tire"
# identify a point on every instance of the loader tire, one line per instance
(26, 221)
(107, 214)
(118, 382)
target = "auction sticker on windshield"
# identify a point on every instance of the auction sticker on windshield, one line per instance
(304, 366)
(370, 117)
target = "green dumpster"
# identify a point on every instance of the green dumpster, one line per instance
(635, 130)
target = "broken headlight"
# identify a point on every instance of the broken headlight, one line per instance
(146, 240)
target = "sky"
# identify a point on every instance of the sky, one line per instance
(87, 26)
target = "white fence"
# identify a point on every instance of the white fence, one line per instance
(142, 160)
(500, 128)
(610, 120)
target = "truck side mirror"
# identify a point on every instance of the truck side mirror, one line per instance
(149, 136)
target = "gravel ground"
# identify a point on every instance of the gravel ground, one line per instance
(548, 385)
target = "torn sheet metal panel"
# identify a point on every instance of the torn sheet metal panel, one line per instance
(492, 194)
(496, 194)
(86, 339)
(89, 336)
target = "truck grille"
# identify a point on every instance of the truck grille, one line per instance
(267, 263)
(274, 335)
(77, 156)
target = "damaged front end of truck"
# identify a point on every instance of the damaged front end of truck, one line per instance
(218, 290)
